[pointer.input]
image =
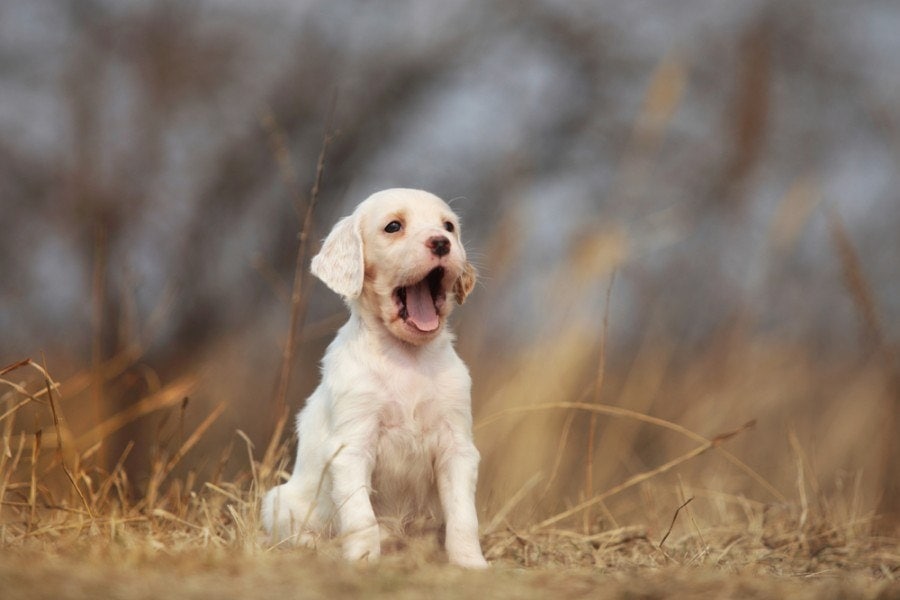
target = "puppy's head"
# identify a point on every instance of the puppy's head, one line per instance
(398, 259)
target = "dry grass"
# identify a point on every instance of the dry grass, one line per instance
(70, 528)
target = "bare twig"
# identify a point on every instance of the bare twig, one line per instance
(855, 280)
(598, 390)
(298, 302)
(864, 299)
(672, 524)
(14, 366)
(98, 309)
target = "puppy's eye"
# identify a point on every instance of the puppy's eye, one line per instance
(393, 227)
(449, 226)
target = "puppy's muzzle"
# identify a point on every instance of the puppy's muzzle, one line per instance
(439, 245)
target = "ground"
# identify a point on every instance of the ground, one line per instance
(173, 562)
(299, 575)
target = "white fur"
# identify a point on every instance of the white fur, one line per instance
(386, 438)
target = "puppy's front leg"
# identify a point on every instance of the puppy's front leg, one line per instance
(457, 474)
(351, 476)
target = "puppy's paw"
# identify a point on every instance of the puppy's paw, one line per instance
(363, 545)
(283, 514)
(469, 560)
(463, 547)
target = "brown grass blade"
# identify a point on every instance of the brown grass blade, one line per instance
(194, 438)
(116, 471)
(168, 396)
(32, 490)
(8, 468)
(111, 368)
(22, 391)
(59, 444)
(15, 407)
(617, 411)
(560, 451)
(641, 477)
(161, 471)
(510, 504)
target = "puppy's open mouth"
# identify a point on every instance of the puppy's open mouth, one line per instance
(420, 303)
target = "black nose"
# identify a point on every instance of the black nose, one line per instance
(439, 244)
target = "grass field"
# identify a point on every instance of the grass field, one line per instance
(72, 528)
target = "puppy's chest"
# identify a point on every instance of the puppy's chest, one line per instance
(411, 402)
(411, 417)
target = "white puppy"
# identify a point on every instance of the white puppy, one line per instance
(387, 435)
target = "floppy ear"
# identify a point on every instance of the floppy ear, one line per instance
(464, 284)
(339, 264)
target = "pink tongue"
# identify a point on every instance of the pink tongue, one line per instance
(420, 307)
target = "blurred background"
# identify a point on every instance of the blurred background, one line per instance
(689, 210)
